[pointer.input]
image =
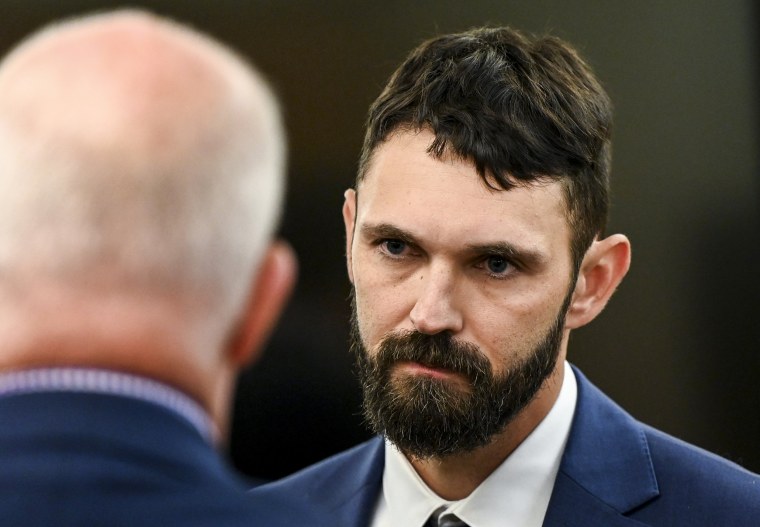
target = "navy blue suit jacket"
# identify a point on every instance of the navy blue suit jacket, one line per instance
(615, 472)
(75, 459)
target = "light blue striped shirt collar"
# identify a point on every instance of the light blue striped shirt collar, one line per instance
(92, 380)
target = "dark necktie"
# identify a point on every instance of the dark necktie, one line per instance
(446, 520)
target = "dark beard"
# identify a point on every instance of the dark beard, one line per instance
(427, 417)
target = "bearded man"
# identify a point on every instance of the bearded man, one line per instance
(475, 245)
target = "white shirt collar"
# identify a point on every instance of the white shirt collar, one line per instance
(516, 494)
(92, 380)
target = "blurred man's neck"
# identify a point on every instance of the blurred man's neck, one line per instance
(142, 338)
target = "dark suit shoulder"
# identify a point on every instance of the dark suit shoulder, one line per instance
(73, 459)
(616, 469)
(344, 470)
(343, 487)
(698, 484)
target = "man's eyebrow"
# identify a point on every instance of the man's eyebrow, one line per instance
(386, 230)
(525, 256)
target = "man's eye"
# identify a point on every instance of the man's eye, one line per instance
(497, 264)
(394, 247)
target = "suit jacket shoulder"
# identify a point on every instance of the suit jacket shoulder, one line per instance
(618, 471)
(343, 487)
(71, 459)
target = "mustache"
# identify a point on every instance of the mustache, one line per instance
(440, 351)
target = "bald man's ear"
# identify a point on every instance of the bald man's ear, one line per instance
(271, 290)
(349, 220)
(603, 268)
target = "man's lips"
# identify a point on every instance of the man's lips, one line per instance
(417, 368)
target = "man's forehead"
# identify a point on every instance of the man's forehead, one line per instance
(413, 146)
(445, 198)
(403, 163)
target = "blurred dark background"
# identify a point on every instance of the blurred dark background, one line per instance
(679, 345)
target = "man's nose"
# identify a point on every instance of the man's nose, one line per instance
(435, 309)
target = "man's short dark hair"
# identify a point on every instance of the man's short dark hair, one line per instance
(523, 109)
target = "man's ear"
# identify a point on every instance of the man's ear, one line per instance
(349, 220)
(271, 290)
(603, 268)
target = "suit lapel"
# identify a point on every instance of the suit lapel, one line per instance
(572, 506)
(606, 470)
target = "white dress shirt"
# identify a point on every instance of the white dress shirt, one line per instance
(516, 494)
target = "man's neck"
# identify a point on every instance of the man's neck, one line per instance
(456, 477)
(140, 339)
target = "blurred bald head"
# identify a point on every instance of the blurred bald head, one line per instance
(141, 162)
(137, 149)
